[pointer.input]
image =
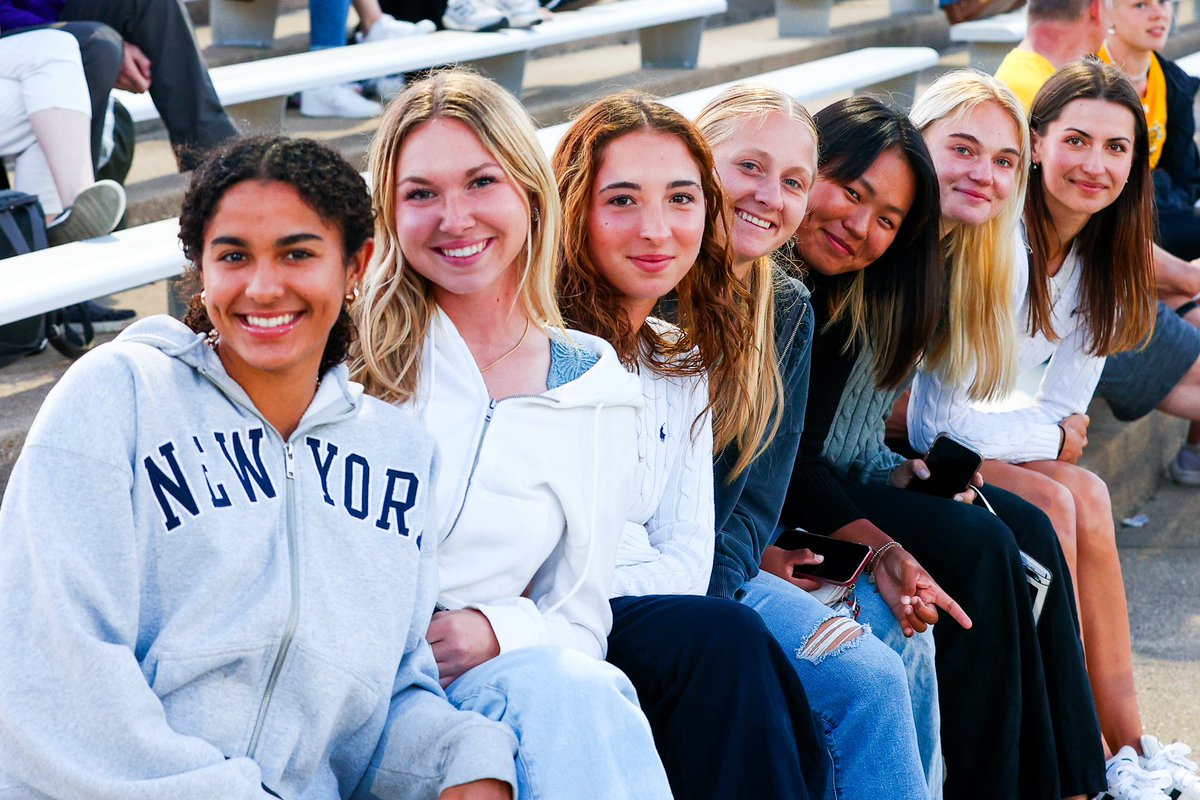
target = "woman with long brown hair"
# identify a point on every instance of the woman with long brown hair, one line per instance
(1086, 292)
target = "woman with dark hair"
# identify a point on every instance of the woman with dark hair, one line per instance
(1086, 292)
(233, 601)
(646, 218)
(873, 328)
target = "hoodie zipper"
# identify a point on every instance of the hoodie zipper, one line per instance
(487, 422)
(289, 632)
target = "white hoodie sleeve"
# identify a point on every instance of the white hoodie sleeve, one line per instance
(675, 497)
(79, 718)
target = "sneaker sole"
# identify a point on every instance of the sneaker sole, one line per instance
(1184, 477)
(95, 212)
(526, 22)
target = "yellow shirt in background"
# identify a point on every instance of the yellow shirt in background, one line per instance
(1024, 72)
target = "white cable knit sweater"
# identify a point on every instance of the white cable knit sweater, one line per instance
(1023, 434)
(669, 535)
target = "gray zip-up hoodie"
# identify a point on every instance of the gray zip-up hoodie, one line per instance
(191, 607)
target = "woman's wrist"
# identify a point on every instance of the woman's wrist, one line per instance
(878, 556)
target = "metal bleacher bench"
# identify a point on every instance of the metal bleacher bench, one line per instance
(71, 273)
(254, 92)
(812, 17)
(990, 39)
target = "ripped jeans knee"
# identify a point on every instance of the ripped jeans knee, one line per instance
(831, 636)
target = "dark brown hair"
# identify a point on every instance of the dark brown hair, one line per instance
(329, 185)
(1116, 292)
(712, 303)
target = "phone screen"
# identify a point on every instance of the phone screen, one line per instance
(843, 560)
(951, 464)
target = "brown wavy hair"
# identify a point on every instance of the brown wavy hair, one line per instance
(1117, 288)
(715, 332)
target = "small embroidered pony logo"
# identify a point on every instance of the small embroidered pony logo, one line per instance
(662, 433)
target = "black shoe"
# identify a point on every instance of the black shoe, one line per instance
(105, 319)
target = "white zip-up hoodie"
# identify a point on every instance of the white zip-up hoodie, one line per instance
(532, 493)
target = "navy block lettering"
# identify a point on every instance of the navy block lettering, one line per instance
(247, 473)
(176, 487)
(364, 470)
(398, 483)
(323, 466)
(220, 497)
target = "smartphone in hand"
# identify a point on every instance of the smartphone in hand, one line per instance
(952, 465)
(844, 561)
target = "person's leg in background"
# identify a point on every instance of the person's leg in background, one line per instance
(179, 83)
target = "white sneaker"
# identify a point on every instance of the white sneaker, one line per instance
(337, 101)
(520, 13)
(472, 15)
(1172, 759)
(1127, 780)
(388, 27)
(1185, 466)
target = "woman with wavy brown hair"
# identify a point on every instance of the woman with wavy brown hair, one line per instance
(645, 219)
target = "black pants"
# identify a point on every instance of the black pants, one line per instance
(1018, 717)
(1179, 232)
(729, 715)
(179, 82)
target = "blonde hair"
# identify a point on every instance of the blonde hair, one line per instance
(980, 330)
(756, 422)
(397, 304)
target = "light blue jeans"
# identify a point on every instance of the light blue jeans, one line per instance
(858, 691)
(917, 654)
(580, 730)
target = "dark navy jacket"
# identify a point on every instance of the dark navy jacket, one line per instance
(1177, 176)
(748, 508)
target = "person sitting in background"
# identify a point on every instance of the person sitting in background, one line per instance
(44, 121)
(160, 56)
(327, 29)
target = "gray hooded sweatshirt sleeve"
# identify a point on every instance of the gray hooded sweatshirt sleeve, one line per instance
(192, 607)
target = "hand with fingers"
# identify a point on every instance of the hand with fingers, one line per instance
(912, 593)
(783, 563)
(1074, 437)
(914, 469)
(460, 640)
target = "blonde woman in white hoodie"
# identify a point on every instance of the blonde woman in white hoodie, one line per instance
(535, 430)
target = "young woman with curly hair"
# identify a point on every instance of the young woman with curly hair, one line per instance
(233, 600)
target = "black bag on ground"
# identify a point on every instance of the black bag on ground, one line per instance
(23, 230)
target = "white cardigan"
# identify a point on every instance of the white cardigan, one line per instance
(1024, 434)
(669, 535)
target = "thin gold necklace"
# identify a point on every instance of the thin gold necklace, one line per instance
(511, 350)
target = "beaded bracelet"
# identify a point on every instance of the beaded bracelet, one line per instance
(878, 557)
